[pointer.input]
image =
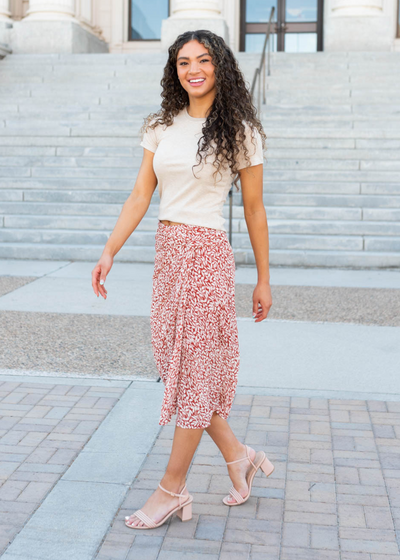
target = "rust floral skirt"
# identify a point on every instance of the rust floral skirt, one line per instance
(193, 323)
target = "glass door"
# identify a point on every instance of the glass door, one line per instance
(297, 27)
(145, 19)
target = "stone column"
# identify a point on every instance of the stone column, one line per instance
(50, 26)
(51, 10)
(5, 14)
(194, 9)
(6, 24)
(359, 25)
(189, 15)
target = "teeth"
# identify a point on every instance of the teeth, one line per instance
(197, 80)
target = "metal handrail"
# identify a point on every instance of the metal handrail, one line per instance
(230, 213)
(257, 72)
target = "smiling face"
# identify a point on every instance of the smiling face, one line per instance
(195, 69)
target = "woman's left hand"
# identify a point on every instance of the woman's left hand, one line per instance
(262, 301)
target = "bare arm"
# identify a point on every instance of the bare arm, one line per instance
(251, 179)
(133, 211)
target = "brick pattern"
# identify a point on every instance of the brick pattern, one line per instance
(42, 429)
(334, 494)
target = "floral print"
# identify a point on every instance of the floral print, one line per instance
(193, 323)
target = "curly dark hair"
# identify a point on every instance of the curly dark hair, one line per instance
(232, 104)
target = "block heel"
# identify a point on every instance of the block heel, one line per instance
(185, 514)
(267, 467)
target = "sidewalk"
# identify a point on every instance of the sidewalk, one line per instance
(80, 445)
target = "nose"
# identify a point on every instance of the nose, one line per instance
(193, 67)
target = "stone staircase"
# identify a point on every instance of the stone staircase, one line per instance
(69, 156)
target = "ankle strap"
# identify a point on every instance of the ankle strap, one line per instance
(174, 494)
(243, 458)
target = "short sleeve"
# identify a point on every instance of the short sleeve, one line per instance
(254, 149)
(149, 140)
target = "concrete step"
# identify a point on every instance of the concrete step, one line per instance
(271, 121)
(389, 244)
(150, 221)
(271, 113)
(345, 97)
(278, 148)
(333, 227)
(72, 190)
(88, 223)
(276, 154)
(358, 133)
(64, 237)
(328, 175)
(288, 198)
(284, 159)
(144, 238)
(282, 60)
(382, 214)
(239, 240)
(68, 160)
(326, 145)
(303, 187)
(132, 162)
(113, 209)
(278, 257)
(71, 141)
(23, 98)
(111, 184)
(331, 200)
(63, 145)
(62, 186)
(279, 100)
(68, 134)
(127, 173)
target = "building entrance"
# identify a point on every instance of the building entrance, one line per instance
(297, 25)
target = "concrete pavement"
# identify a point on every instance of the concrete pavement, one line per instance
(80, 445)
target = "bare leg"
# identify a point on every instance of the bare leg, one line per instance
(159, 504)
(231, 449)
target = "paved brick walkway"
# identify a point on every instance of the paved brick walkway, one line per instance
(335, 492)
(42, 429)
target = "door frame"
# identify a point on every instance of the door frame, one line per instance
(316, 27)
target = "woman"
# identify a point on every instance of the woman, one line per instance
(206, 119)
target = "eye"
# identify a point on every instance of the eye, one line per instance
(202, 60)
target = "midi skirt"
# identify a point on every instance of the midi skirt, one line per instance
(194, 331)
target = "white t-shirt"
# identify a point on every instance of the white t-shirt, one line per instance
(186, 196)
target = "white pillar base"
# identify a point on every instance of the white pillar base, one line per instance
(174, 26)
(49, 17)
(359, 34)
(5, 14)
(63, 10)
(359, 25)
(40, 37)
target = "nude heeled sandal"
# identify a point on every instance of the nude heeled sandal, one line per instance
(183, 511)
(260, 462)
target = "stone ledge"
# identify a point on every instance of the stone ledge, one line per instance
(38, 37)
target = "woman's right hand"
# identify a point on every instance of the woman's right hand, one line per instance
(99, 274)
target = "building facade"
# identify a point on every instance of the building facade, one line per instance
(39, 26)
